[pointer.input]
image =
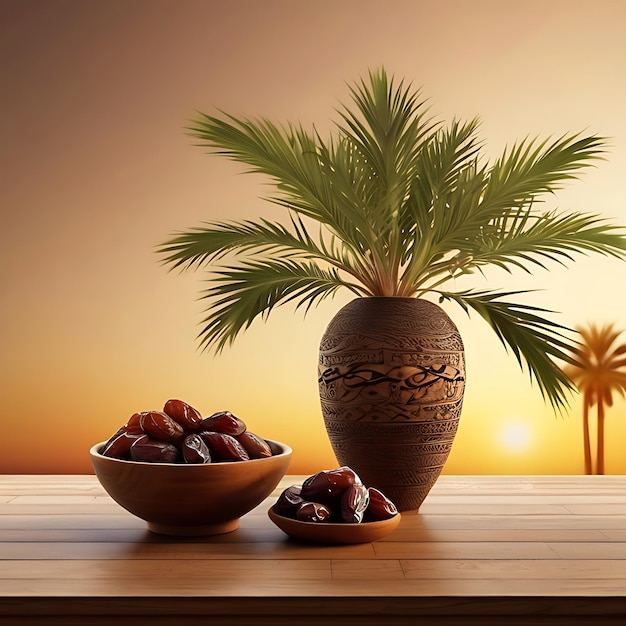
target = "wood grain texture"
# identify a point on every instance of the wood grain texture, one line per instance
(481, 550)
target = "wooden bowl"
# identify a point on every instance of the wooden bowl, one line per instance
(335, 533)
(188, 499)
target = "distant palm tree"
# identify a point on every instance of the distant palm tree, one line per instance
(600, 372)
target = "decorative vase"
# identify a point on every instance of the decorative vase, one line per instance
(391, 382)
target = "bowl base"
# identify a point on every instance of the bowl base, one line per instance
(198, 530)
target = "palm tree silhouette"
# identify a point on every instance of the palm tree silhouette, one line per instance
(601, 372)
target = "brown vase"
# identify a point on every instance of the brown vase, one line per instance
(391, 381)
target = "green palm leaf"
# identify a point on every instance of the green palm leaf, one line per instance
(288, 155)
(522, 239)
(533, 339)
(204, 245)
(241, 294)
(531, 168)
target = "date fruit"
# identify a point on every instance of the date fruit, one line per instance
(256, 447)
(195, 450)
(354, 503)
(161, 426)
(224, 447)
(380, 506)
(183, 413)
(289, 501)
(151, 450)
(133, 425)
(313, 512)
(119, 445)
(223, 422)
(328, 486)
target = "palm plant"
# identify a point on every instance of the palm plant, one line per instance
(394, 203)
(599, 373)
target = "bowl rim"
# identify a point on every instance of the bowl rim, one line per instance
(94, 452)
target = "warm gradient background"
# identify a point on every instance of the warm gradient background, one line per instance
(96, 170)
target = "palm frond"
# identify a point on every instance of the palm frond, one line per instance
(534, 340)
(289, 156)
(521, 239)
(448, 184)
(389, 127)
(241, 294)
(203, 245)
(531, 168)
(442, 168)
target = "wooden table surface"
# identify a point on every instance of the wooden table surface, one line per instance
(481, 550)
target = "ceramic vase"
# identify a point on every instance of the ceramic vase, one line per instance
(391, 383)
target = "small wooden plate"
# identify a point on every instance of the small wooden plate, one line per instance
(324, 532)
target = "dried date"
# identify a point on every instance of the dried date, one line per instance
(183, 413)
(150, 450)
(313, 512)
(119, 445)
(328, 486)
(161, 426)
(380, 506)
(256, 447)
(195, 450)
(354, 503)
(224, 447)
(289, 501)
(133, 425)
(224, 422)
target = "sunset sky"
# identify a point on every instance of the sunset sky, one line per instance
(97, 170)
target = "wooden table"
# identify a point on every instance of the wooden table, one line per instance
(482, 550)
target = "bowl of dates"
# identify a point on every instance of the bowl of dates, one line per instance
(188, 475)
(334, 506)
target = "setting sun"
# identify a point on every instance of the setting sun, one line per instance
(515, 435)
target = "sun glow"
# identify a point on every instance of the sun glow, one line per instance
(515, 435)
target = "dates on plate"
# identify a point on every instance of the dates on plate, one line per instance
(179, 434)
(336, 495)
